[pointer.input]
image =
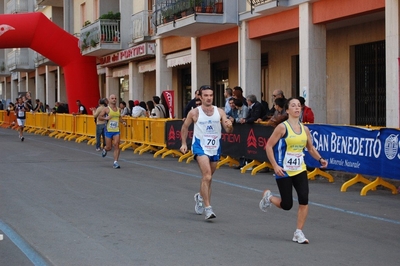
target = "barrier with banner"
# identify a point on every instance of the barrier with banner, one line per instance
(245, 140)
(357, 150)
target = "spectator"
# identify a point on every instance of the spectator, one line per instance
(100, 124)
(233, 113)
(61, 108)
(307, 115)
(264, 103)
(150, 108)
(191, 104)
(123, 109)
(228, 95)
(144, 106)
(238, 94)
(131, 104)
(39, 106)
(1, 105)
(164, 102)
(275, 94)
(47, 109)
(242, 110)
(137, 110)
(256, 110)
(280, 114)
(159, 110)
(81, 108)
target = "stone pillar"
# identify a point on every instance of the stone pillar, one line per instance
(40, 87)
(112, 84)
(249, 63)
(163, 73)
(392, 63)
(312, 48)
(61, 91)
(200, 67)
(50, 88)
(136, 85)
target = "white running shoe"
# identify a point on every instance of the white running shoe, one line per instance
(265, 202)
(199, 206)
(299, 237)
(209, 213)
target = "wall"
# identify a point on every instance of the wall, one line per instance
(339, 42)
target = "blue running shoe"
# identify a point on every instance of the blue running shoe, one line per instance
(116, 166)
(103, 153)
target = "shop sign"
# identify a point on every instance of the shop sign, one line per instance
(132, 53)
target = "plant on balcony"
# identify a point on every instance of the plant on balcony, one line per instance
(219, 7)
(85, 44)
(93, 43)
(198, 6)
(188, 8)
(167, 14)
(112, 16)
(87, 22)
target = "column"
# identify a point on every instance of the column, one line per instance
(112, 84)
(392, 63)
(312, 48)
(136, 85)
(200, 66)
(50, 88)
(61, 91)
(249, 63)
(163, 73)
(40, 86)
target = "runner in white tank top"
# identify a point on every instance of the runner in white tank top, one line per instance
(206, 145)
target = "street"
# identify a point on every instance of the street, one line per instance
(63, 204)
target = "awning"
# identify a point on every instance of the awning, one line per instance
(180, 58)
(147, 66)
(120, 72)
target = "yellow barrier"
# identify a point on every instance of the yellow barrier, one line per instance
(2, 114)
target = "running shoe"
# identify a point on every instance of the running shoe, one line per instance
(199, 206)
(98, 149)
(209, 213)
(116, 166)
(22, 138)
(104, 153)
(265, 202)
(299, 237)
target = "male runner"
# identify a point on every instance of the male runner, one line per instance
(113, 117)
(20, 111)
(206, 144)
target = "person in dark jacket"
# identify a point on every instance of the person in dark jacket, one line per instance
(191, 104)
(256, 110)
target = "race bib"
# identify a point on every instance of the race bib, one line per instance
(21, 113)
(211, 141)
(113, 124)
(293, 161)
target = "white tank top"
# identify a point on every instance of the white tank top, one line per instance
(207, 130)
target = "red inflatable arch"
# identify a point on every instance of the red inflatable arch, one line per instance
(36, 31)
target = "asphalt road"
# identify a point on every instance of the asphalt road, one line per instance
(61, 203)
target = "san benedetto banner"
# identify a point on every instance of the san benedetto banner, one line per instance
(357, 150)
(350, 149)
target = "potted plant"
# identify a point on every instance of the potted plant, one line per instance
(219, 7)
(198, 6)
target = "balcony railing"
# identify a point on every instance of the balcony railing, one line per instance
(19, 59)
(99, 33)
(171, 10)
(141, 27)
(17, 6)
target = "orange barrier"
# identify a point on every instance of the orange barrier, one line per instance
(9, 120)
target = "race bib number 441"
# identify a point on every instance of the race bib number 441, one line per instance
(293, 161)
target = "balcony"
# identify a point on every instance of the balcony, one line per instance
(100, 38)
(58, 3)
(193, 18)
(20, 60)
(17, 6)
(141, 27)
(40, 60)
(266, 7)
(3, 69)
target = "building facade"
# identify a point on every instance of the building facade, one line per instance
(342, 56)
